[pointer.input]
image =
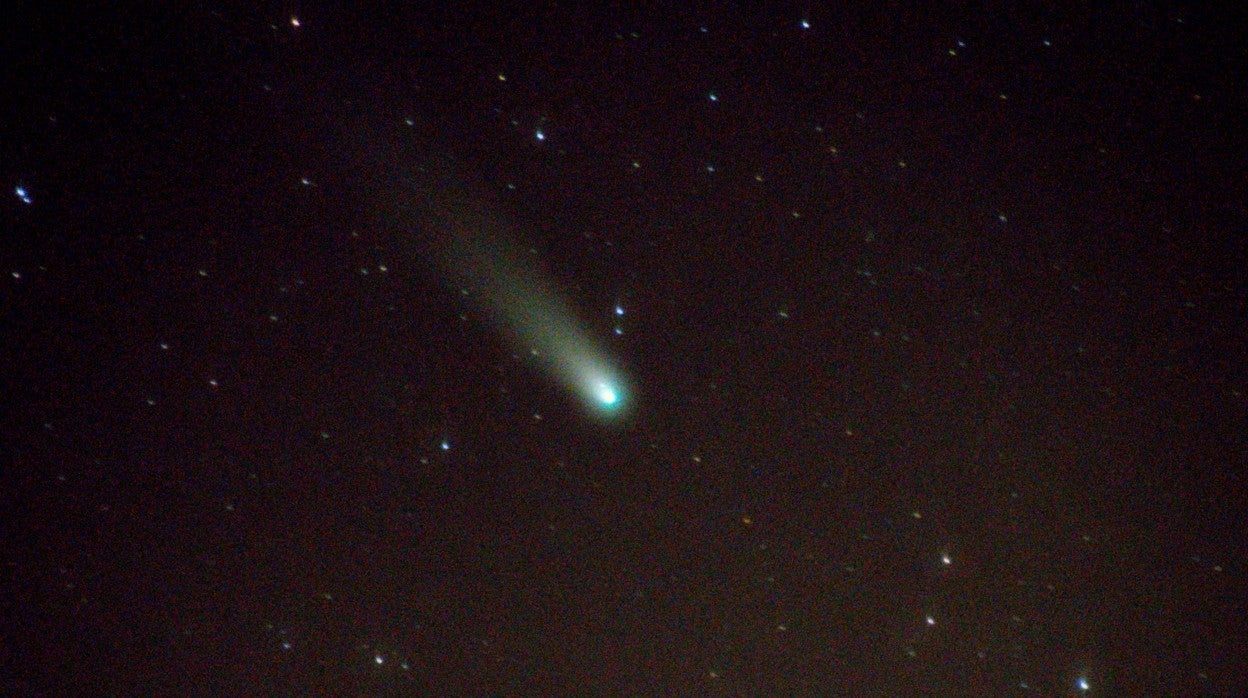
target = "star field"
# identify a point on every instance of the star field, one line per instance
(834, 351)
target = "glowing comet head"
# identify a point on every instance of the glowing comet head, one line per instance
(601, 390)
(607, 395)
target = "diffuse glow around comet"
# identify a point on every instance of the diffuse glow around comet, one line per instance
(475, 249)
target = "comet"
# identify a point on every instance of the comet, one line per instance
(477, 250)
(482, 255)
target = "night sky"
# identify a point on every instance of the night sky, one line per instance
(564, 349)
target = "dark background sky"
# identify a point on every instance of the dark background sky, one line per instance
(934, 322)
